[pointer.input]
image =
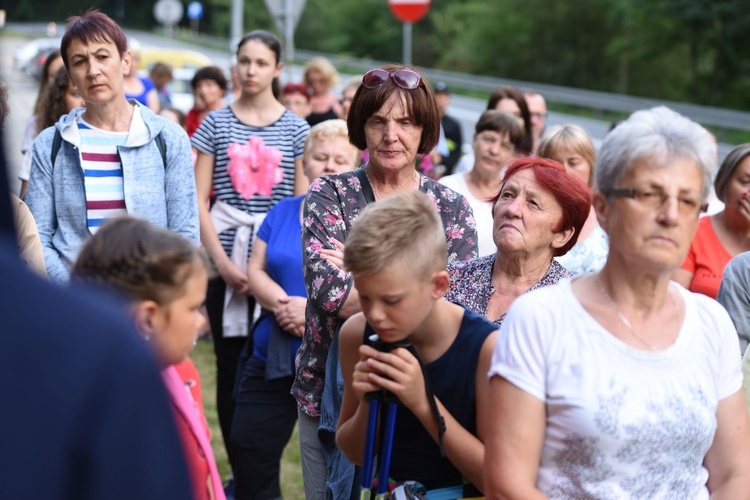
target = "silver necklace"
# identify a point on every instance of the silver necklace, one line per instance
(625, 320)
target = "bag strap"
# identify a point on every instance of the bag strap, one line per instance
(162, 148)
(56, 143)
(365, 183)
(431, 399)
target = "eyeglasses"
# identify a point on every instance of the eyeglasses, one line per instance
(404, 78)
(538, 116)
(656, 199)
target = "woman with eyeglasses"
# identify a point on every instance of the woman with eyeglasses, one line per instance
(622, 384)
(725, 234)
(394, 116)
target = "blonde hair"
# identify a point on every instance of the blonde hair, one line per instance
(404, 227)
(573, 138)
(325, 68)
(330, 129)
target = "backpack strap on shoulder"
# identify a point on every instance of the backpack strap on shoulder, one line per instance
(162, 148)
(56, 143)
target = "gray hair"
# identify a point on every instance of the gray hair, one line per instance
(659, 134)
(727, 168)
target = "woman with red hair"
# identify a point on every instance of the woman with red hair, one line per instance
(538, 215)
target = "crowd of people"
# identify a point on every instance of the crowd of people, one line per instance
(554, 321)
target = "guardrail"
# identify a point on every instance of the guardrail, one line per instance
(721, 118)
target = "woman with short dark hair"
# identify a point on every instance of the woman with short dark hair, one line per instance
(511, 100)
(113, 157)
(395, 117)
(209, 86)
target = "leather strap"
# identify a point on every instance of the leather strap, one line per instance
(365, 183)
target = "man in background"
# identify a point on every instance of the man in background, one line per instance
(451, 128)
(538, 112)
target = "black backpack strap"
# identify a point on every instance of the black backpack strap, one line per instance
(162, 148)
(365, 183)
(56, 143)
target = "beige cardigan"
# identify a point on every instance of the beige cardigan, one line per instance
(29, 245)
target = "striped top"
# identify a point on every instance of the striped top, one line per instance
(222, 128)
(102, 172)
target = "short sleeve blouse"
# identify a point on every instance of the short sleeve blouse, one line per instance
(332, 204)
(222, 128)
(621, 422)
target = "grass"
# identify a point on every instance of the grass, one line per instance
(291, 470)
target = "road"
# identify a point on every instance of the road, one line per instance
(23, 91)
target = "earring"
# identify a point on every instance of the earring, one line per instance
(147, 337)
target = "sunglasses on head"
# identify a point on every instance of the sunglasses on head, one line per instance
(404, 78)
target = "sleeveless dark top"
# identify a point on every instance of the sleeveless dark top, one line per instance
(315, 118)
(416, 455)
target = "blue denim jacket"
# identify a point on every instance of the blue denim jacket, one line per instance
(342, 480)
(164, 195)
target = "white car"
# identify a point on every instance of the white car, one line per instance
(26, 53)
(182, 91)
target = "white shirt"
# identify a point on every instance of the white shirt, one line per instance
(621, 422)
(482, 212)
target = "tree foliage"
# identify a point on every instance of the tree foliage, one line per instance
(686, 50)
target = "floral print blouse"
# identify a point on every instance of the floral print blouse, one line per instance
(331, 206)
(471, 283)
(587, 256)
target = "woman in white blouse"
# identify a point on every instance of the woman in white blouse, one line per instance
(622, 384)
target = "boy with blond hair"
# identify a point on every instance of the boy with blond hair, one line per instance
(396, 252)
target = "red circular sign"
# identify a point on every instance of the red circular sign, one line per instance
(409, 11)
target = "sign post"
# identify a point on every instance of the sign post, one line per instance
(409, 12)
(286, 14)
(194, 13)
(169, 13)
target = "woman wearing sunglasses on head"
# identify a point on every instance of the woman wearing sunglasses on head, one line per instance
(394, 116)
(622, 384)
